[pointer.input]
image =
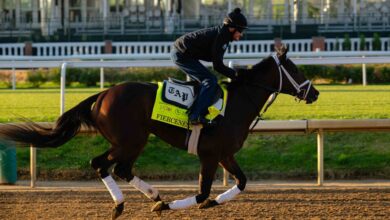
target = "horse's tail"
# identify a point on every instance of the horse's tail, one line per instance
(66, 127)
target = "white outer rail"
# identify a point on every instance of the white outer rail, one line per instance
(147, 57)
(168, 63)
(145, 60)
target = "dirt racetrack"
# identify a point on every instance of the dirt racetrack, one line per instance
(255, 203)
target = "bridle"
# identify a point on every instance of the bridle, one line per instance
(298, 87)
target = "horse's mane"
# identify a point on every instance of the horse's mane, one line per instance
(261, 65)
(246, 74)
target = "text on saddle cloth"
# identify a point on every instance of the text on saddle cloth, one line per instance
(173, 101)
(178, 94)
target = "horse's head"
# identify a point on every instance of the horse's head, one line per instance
(291, 80)
(278, 74)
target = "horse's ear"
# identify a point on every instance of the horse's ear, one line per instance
(285, 49)
(281, 51)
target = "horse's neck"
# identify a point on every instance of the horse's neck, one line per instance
(249, 101)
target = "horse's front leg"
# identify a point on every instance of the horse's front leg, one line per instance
(232, 167)
(206, 176)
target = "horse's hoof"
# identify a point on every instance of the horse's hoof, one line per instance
(208, 203)
(157, 199)
(117, 211)
(159, 207)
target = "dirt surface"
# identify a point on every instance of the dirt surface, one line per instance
(263, 202)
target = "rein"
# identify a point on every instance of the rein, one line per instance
(275, 93)
(269, 101)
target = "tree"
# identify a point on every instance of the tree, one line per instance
(337, 46)
(347, 42)
(362, 44)
(376, 42)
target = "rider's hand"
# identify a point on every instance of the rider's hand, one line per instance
(235, 77)
(239, 74)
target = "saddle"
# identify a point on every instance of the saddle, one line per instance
(174, 100)
(183, 93)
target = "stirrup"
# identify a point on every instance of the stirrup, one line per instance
(203, 121)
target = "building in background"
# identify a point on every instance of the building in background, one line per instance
(164, 19)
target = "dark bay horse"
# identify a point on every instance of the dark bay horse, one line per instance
(122, 114)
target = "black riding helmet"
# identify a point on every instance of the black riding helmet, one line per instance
(236, 20)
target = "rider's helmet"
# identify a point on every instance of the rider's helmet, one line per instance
(236, 20)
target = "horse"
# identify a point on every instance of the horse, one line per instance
(122, 114)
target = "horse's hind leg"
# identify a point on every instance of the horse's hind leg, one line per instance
(101, 164)
(123, 170)
(126, 157)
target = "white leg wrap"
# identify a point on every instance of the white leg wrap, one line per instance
(145, 188)
(182, 204)
(114, 190)
(228, 195)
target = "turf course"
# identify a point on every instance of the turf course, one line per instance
(335, 102)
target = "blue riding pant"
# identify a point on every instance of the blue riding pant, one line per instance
(208, 81)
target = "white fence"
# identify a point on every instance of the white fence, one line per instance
(162, 49)
(68, 48)
(142, 48)
(12, 49)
